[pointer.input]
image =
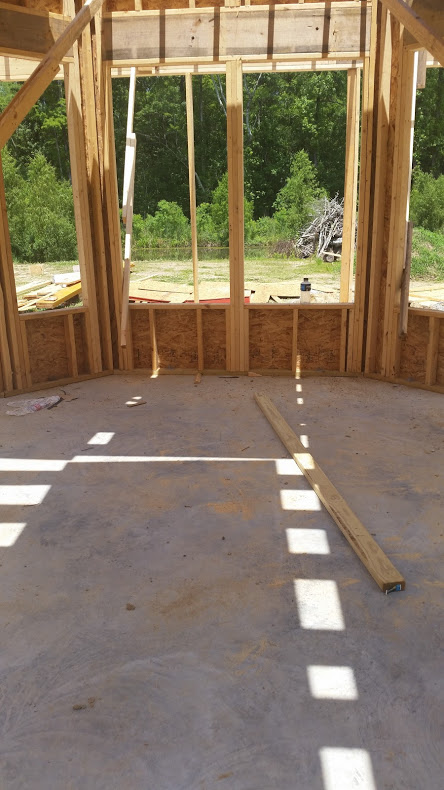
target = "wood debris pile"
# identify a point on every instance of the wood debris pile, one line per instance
(323, 236)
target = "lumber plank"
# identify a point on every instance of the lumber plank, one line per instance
(196, 35)
(61, 296)
(29, 33)
(45, 72)
(371, 555)
(192, 183)
(351, 182)
(235, 153)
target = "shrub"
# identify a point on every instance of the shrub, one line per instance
(294, 202)
(427, 201)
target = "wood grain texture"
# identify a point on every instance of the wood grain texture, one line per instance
(413, 349)
(48, 355)
(371, 555)
(271, 336)
(214, 339)
(176, 332)
(319, 339)
(141, 335)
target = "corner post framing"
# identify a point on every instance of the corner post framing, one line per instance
(237, 356)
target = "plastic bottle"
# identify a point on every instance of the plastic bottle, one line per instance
(305, 291)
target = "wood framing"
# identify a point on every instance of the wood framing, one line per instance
(192, 183)
(423, 19)
(255, 32)
(351, 182)
(237, 356)
(107, 332)
(43, 75)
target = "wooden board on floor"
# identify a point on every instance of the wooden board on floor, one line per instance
(371, 555)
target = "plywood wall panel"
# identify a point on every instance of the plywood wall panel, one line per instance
(47, 350)
(413, 349)
(176, 334)
(271, 334)
(141, 335)
(440, 369)
(214, 339)
(319, 339)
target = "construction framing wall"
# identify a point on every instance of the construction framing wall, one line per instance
(86, 44)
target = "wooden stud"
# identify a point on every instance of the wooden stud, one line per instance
(43, 75)
(81, 207)
(27, 361)
(387, 64)
(432, 351)
(371, 555)
(236, 213)
(399, 208)
(366, 182)
(351, 183)
(70, 345)
(192, 182)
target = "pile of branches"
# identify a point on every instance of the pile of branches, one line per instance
(323, 236)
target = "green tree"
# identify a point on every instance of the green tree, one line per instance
(427, 201)
(295, 201)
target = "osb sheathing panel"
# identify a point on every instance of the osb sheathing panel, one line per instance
(319, 339)
(47, 351)
(271, 335)
(141, 335)
(214, 339)
(413, 349)
(81, 343)
(176, 335)
(440, 371)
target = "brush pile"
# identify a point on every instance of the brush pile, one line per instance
(323, 236)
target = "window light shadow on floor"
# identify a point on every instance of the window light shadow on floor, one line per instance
(317, 600)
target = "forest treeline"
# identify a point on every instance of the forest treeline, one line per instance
(294, 152)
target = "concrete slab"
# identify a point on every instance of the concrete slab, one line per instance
(256, 653)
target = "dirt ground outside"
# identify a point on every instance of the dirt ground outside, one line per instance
(267, 277)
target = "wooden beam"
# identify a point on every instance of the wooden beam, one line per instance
(29, 33)
(425, 35)
(371, 555)
(82, 213)
(404, 119)
(45, 72)
(351, 182)
(192, 183)
(235, 151)
(366, 184)
(421, 78)
(340, 29)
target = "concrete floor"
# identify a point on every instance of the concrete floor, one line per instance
(260, 654)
